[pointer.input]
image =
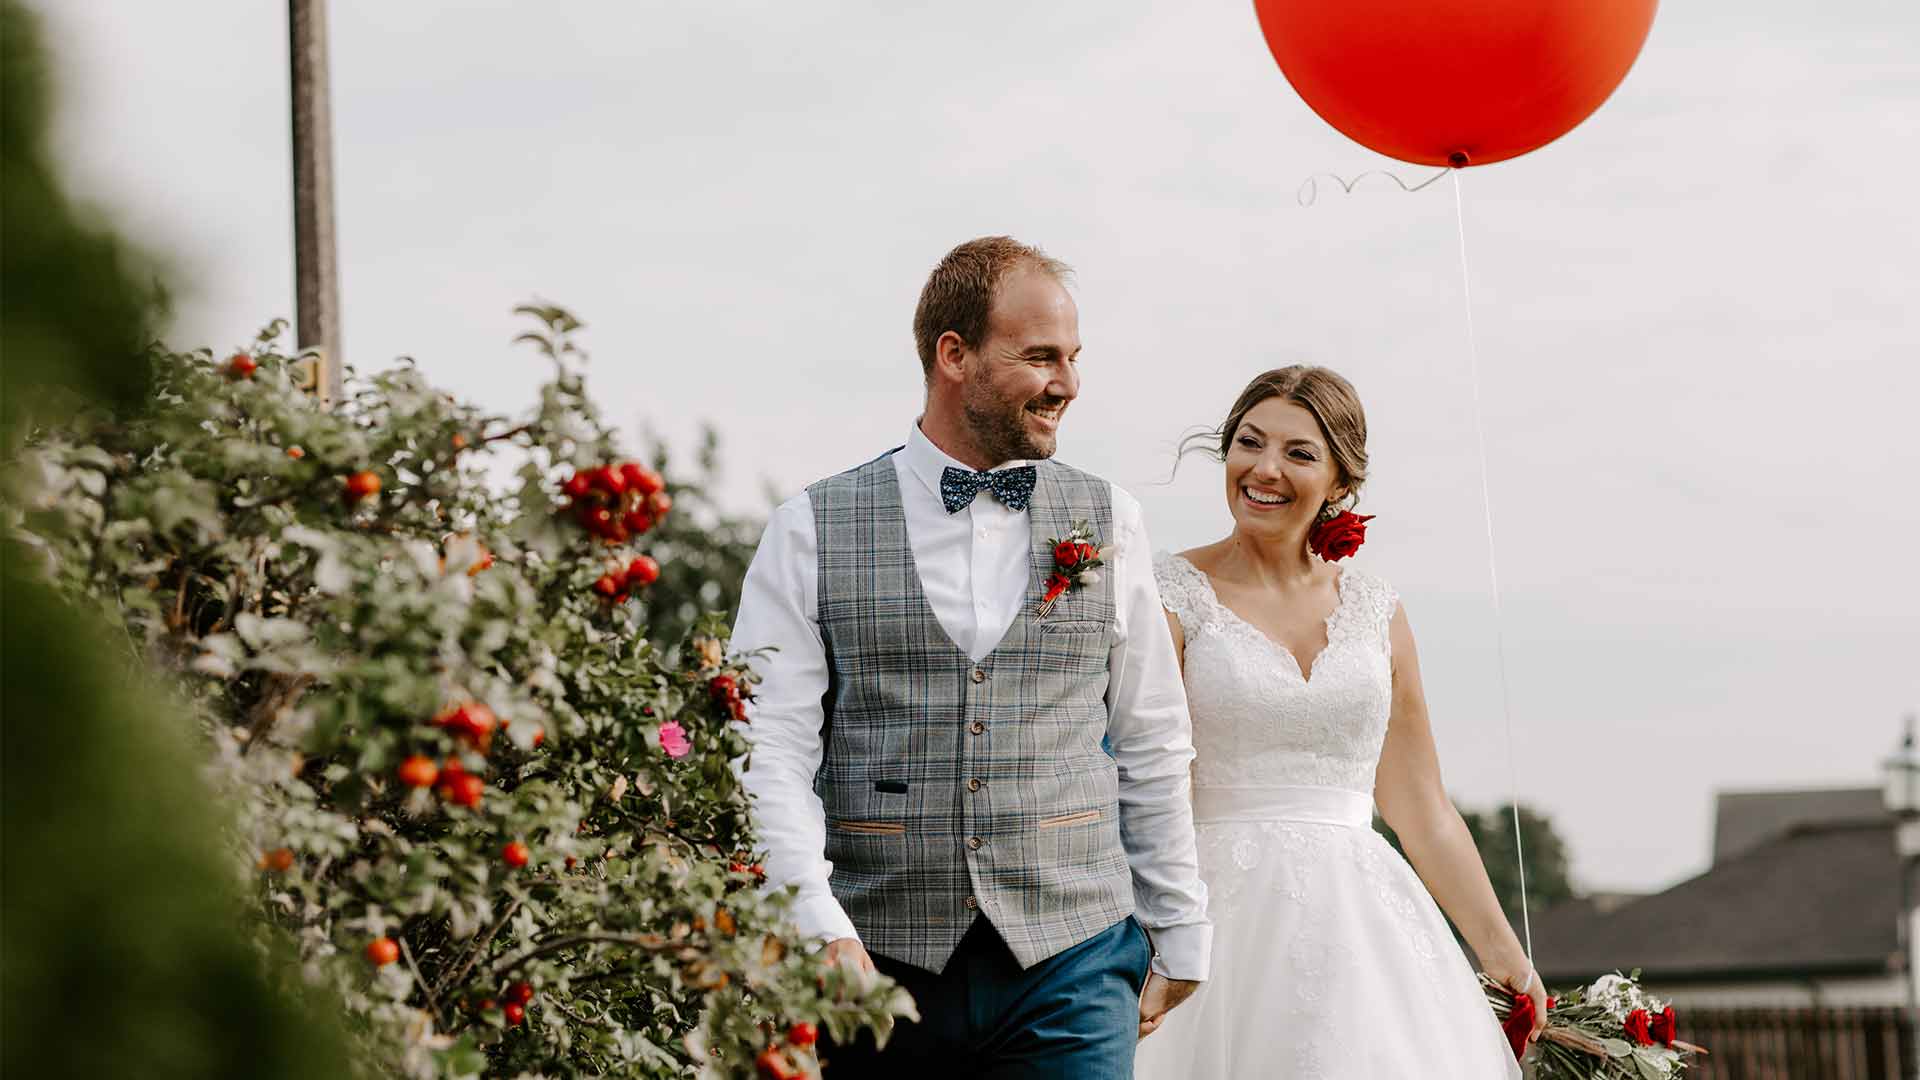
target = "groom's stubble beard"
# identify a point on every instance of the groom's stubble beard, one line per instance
(998, 423)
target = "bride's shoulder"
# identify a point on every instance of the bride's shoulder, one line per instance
(1183, 589)
(1369, 592)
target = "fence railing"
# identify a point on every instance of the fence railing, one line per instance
(1803, 1043)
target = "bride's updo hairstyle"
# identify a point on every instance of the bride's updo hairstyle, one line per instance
(1320, 391)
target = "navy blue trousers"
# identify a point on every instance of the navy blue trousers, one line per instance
(1073, 1015)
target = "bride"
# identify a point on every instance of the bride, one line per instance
(1330, 960)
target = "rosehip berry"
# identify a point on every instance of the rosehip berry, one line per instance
(514, 854)
(774, 1065)
(633, 475)
(486, 1005)
(279, 860)
(803, 1034)
(608, 480)
(598, 520)
(608, 586)
(649, 483)
(459, 787)
(514, 1013)
(362, 485)
(539, 736)
(418, 771)
(659, 502)
(722, 687)
(382, 951)
(577, 485)
(484, 562)
(520, 993)
(642, 571)
(459, 441)
(296, 453)
(572, 862)
(471, 722)
(241, 366)
(637, 522)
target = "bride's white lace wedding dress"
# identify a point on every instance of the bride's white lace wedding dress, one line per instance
(1330, 959)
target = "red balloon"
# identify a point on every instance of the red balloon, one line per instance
(1455, 82)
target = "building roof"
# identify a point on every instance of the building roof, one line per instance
(1818, 899)
(1744, 819)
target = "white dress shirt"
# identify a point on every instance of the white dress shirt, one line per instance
(974, 567)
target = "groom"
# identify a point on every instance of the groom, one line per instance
(986, 803)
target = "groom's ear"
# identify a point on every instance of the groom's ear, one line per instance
(949, 358)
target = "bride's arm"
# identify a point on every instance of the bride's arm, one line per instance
(1414, 801)
(1179, 640)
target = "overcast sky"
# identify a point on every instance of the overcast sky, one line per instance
(1697, 312)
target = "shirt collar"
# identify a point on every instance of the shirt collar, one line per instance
(927, 461)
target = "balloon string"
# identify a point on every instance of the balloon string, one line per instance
(1310, 188)
(1493, 562)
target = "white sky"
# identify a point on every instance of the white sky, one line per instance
(1697, 315)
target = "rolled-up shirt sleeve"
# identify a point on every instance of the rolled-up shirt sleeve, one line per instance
(778, 611)
(1151, 737)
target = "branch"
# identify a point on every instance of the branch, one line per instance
(433, 1002)
(650, 942)
(473, 953)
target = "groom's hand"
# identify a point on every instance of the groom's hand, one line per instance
(850, 949)
(1159, 997)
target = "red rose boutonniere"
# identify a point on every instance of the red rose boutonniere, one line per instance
(1339, 536)
(1075, 558)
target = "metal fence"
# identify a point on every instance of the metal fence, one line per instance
(1803, 1043)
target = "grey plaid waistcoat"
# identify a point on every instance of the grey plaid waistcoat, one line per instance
(952, 787)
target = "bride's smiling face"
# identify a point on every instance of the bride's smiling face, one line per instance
(1279, 469)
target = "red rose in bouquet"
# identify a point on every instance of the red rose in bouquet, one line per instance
(1664, 1027)
(1339, 537)
(1639, 1027)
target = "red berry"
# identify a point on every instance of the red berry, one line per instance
(572, 862)
(520, 993)
(470, 722)
(608, 586)
(642, 571)
(576, 486)
(539, 736)
(659, 502)
(514, 1013)
(459, 441)
(296, 453)
(634, 476)
(362, 485)
(241, 366)
(607, 480)
(599, 521)
(722, 687)
(637, 522)
(486, 1005)
(514, 854)
(774, 1065)
(279, 860)
(419, 771)
(803, 1034)
(649, 483)
(484, 562)
(459, 787)
(382, 951)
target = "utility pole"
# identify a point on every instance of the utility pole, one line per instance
(315, 266)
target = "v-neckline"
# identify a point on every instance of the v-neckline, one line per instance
(1304, 671)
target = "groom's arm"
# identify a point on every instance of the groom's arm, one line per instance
(778, 610)
(1152, 741)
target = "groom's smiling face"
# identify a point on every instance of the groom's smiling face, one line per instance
(1022, 377)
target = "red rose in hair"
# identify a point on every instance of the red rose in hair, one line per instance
(1336, 539)
(1664, 1027)
(1519, 1025)
(1067, 554)
(1639, 1026)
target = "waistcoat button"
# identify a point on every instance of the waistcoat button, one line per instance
(972, 903)
(977, 727)
(975, 843)
(979, 674)
(973, 784)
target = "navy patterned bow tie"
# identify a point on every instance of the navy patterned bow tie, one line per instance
(1013, 487)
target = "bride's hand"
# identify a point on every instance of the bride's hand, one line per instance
(1521, 978)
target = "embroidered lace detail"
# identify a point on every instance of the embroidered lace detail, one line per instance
(1258, 719)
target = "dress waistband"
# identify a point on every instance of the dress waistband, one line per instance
(1316, 805)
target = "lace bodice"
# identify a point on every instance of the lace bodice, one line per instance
(1257, 719)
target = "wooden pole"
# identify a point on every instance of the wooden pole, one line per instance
(316, 271)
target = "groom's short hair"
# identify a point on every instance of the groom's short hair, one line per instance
(959, 293)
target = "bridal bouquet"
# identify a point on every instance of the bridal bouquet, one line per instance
(1612, 1030)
